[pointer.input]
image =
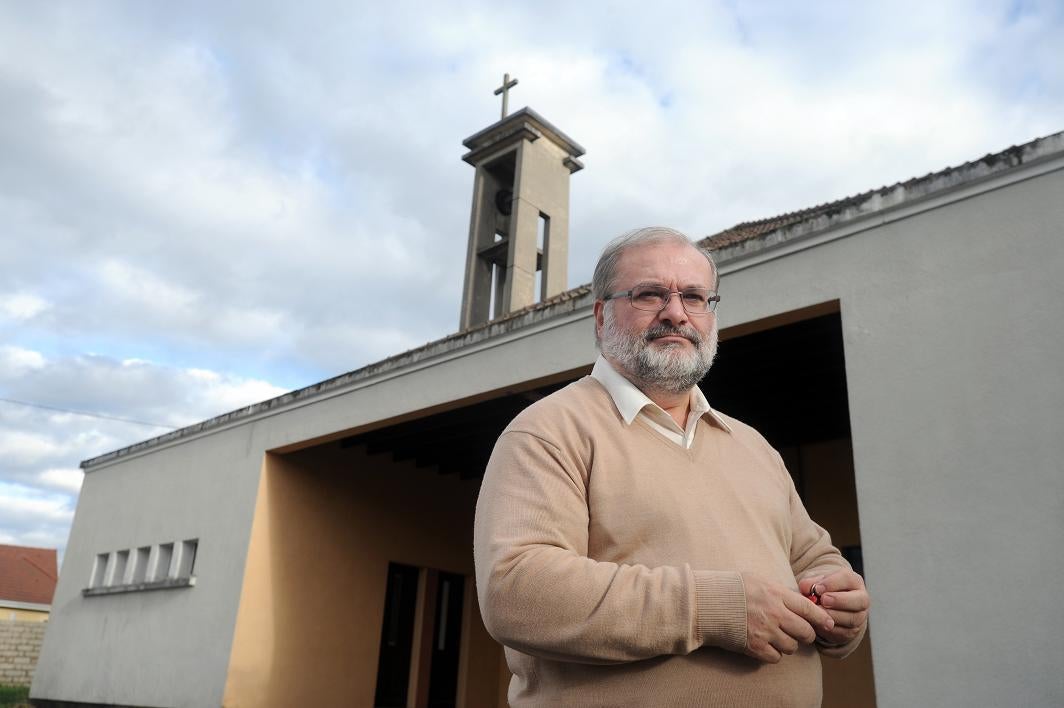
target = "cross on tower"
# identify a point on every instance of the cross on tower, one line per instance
(507, 84)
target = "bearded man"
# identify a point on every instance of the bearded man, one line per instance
(633, 546)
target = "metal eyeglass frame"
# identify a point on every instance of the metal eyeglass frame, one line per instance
(711, 300)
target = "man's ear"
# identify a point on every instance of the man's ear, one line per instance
(600, 308)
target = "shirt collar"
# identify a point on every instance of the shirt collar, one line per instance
(630, 400)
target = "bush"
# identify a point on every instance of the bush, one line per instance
(13, 695)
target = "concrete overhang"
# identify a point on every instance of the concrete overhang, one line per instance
(524, 124)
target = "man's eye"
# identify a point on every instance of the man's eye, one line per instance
(647, 296)
(694, 297)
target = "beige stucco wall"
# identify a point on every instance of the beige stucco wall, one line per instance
(327, 523)
(18, 614)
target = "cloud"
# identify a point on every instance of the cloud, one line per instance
(21, 306)
(32, 517)
(109, 404)
(64, 479)
(135, 389)
(17, 361)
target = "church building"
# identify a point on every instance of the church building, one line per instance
(901, 348)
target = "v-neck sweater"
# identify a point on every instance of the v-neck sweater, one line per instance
(609, 559)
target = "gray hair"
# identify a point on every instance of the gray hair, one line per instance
(606, 268)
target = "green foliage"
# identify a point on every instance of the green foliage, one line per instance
(13, 695)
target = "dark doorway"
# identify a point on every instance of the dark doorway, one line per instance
(397, 636)
(788, 382)
(447, 641)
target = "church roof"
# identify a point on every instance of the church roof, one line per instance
(741, 240)
(756, 235)
(27, 575)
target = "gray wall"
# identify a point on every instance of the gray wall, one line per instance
(953, 328)
(163, 647)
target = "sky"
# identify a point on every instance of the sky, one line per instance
(204, 205)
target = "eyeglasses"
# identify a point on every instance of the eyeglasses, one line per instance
(655, 298)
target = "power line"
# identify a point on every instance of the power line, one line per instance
(85, 413)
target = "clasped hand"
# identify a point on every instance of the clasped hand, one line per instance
(844, 596)
(779, 620)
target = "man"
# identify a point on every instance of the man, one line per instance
(634, 547)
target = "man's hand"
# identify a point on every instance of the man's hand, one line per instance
(844, 596)
(778, 619)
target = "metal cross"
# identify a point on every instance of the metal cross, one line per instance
(507, 84)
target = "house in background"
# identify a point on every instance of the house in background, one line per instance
(28, 577)
(27, 583)
(901, 348)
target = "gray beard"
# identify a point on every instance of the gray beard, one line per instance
(669, 369)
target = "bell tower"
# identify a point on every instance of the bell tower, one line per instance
(519, 225)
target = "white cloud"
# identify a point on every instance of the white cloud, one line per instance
(16, 360)
(142, 286)
(40, 448)
(22, 448)
(21, 306)
(65, 479)
(20, 504)
(31, 517)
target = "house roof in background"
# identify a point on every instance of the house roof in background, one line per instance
(28, 574)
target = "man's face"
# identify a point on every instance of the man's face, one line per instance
(669, 350)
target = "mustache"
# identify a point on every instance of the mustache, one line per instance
(663, 330)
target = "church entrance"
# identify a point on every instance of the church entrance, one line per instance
(786, 376)
(359, 585)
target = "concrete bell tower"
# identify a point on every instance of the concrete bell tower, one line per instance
(519, 225)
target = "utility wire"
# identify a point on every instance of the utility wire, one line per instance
(86, 413)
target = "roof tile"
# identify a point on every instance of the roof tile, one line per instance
(28, 574)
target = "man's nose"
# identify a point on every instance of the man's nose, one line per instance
(673, 311)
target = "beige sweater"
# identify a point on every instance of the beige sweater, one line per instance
(608, 559)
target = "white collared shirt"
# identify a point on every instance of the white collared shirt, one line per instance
(631, 402)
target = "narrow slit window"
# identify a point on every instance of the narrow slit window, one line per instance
(162, 561)
(495, 303)
(99, 570)
(140, 565)
(542, 248)
(187, 561)
(118, 573)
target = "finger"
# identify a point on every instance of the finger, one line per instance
(848, 601)
(766, 653)
(852, 620)
(798, 628)
(840, 580)
(805, 585)
(810, 612)
(840, 635)
(785, 644)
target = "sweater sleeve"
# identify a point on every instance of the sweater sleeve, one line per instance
(540, 594)
(813, 554)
